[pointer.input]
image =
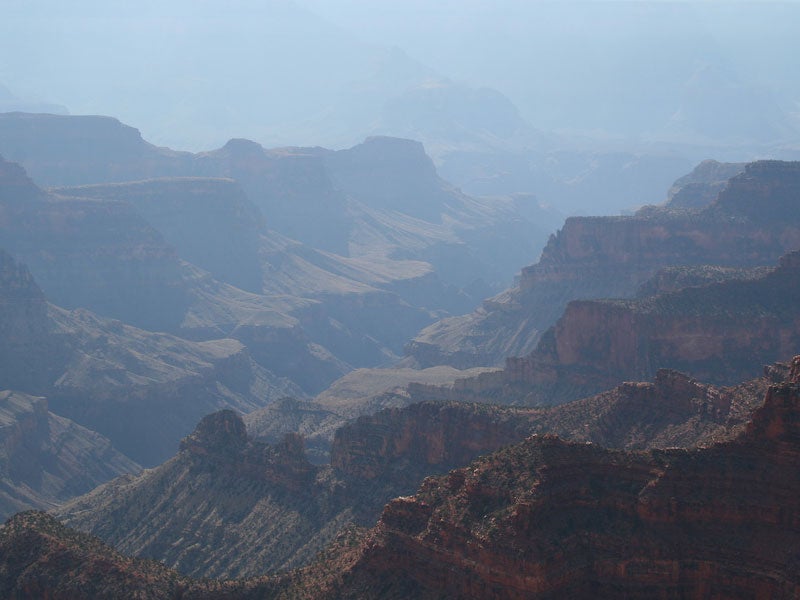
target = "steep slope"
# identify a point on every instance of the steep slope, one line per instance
(136, 387)
(426, 437)
(97, 255)
(543, 518)
(360, 392)
(380, 257)
(701, 187)
(547, 518)
(210, 222)
(225, 506)
(101, 254)
(753, 222)
(146, 390)
(213, 509)
(313, 195)
(76, 150)
(402, 208)
(46, 459)
(44, 559)
(713, 332)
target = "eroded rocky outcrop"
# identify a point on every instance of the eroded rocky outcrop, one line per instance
(44, 559)
(543, 518)
(239, 488)
(209, 221)
(380, 198)
(223, 506)
(124, 382)
(547, 518)
(701, 187)
(97, 255)
(753, 222)
(715, 332)
(46, 459)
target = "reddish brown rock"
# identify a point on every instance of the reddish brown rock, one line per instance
(753, 222)
(547, 519)
(717, 332)
(544, 518)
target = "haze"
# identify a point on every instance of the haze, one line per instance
(191, 75)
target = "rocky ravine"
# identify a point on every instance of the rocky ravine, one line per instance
(380, 199)
(142, 390)
(228, 505)
(370, 266)
(547, 518)
(754, 220)
(46, 459)
(713, 332)
(544, 518)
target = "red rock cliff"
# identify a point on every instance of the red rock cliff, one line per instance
(547, 519)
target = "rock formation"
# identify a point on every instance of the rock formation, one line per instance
(44, 559)
(327, 200)
(753, 222)
(547, 518)
(210, 222)
(224, 506)
(46, 459)
(358, 281)
(223, 519)
(713, 332)
(701, 187)
(126, 383)
(540, 519)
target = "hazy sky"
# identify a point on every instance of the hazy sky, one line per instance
(195, 73)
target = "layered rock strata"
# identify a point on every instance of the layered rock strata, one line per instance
(204, 513)
(547, 518)
(541, 519)
(713, 332)
(753, 222)
(46, 459)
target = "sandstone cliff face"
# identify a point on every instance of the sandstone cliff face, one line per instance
(547, 519)
(432, 437)
(543, 518)
(420, 439)
(753, 222)
(715, 332)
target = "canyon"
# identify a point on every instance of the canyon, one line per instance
(752, 222)
(539, 518)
